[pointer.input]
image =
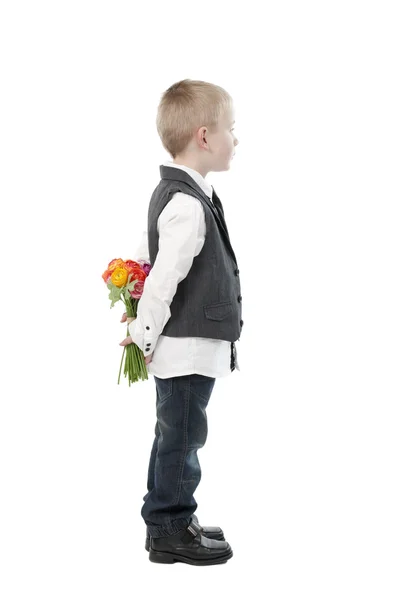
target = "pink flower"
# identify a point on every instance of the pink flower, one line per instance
(138, 290)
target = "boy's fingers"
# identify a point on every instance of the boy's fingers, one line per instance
(148, 358)
(128, 319)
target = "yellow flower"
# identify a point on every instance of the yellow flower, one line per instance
(119, 277)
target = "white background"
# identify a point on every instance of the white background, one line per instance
(300, 468)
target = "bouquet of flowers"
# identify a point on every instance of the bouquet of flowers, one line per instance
(125, 280)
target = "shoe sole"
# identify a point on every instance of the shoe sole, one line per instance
(147, 542)
(169, 558)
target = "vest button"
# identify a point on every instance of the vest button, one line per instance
(236, 271)
(241, 322)
(239, 298)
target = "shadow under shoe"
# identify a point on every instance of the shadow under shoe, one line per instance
(189, 546)
(215, 533)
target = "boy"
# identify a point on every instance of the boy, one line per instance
(190, 311)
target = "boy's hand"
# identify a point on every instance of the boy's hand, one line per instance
(129, 340)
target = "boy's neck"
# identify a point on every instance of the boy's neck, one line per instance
(191, 164)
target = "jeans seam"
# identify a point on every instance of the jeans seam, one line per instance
(168, 517)
(185, 447)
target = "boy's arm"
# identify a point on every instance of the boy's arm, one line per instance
(181, 237)
(142, 252)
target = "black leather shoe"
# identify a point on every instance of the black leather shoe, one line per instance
(214, 533)
(189, 546)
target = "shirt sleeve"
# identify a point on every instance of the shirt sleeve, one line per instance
(142, 252)
(181, 227)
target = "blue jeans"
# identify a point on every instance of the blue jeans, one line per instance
(174, 471)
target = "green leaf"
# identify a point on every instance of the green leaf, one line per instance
(128, 287)
(115, 293)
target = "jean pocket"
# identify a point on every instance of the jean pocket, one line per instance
(218, 311)
(164, 387)
(202, 386)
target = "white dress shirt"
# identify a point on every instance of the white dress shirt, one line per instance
(182, 229)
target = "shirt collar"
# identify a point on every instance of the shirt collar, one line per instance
(204, 185)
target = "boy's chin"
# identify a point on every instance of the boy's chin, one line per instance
(224, 167)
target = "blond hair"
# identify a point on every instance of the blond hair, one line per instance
(185, 107)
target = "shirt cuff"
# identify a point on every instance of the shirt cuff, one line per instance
(144, 342)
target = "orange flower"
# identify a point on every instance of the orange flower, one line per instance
(116, 262)
(106, 275)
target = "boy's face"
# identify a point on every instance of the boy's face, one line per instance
(219, 145)
(222, 143)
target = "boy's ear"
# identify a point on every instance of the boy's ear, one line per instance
(202, 136)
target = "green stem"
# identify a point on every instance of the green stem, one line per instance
(120, 368)
(135, 367)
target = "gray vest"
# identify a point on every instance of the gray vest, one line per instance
(207, 302)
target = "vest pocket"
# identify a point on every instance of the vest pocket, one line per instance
(219, 311)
